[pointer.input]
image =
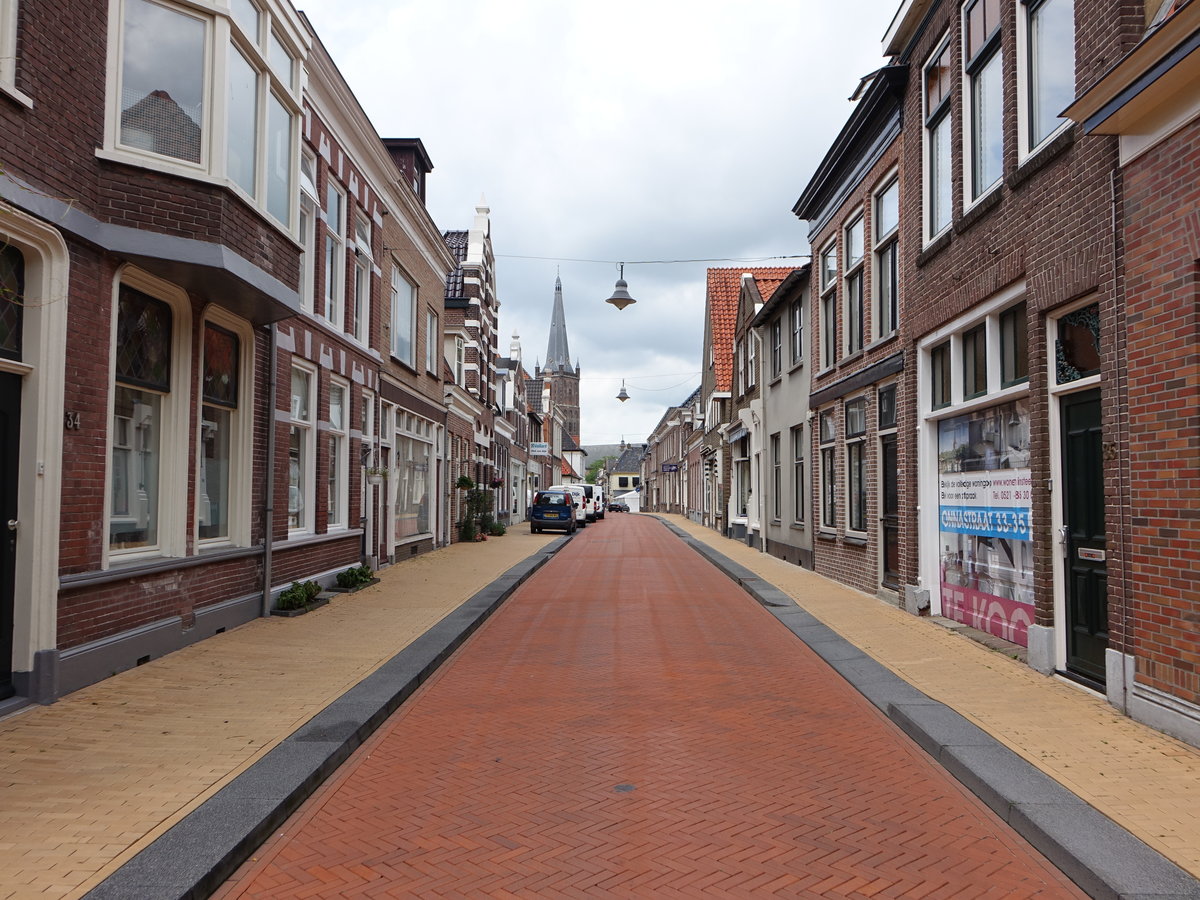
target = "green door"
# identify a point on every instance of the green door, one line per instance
(10, 430)
(1086, 565)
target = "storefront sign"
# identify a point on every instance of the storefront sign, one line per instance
(539, 448)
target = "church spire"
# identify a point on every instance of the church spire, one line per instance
(558, 354)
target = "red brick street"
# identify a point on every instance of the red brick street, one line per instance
(632, 723)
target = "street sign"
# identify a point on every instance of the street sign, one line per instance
(670, 467)
(539, 448)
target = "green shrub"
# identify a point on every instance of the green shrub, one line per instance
(298, 596)
(497, 529)
(354, 577)
(466, 530)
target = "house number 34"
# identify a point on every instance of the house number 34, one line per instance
(71, 421)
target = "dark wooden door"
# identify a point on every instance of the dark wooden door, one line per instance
(10, 433)
(889, 521)
(1086, 555)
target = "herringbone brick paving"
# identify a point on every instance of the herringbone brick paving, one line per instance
(633, 724)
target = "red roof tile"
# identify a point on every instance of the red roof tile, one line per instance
(724, 287)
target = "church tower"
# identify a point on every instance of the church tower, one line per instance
(558, 372)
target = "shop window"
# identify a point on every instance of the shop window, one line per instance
(939, 368)
(855, 265)
(974, 362)
(938, 80)
(828, 437)
(1014, 348)
(1077, 347)
(983, 95)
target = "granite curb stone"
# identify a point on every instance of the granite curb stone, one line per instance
(1104, 859)
(196, 855)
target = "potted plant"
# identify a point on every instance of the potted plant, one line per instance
(376, 475)
(354, 579)
(299, 598)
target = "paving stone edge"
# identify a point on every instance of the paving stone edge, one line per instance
(199, 853)
(1101, 857)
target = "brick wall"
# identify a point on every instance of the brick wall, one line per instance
(1162, 253)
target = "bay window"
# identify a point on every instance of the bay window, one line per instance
(178, 110)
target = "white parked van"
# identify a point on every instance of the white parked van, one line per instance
(582, 516)
(595, 493)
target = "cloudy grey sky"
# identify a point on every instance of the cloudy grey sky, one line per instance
(647, 130)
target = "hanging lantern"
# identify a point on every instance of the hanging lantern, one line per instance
(624, 395)
(620, 297)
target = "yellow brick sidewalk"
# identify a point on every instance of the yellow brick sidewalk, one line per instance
(89, 781)
(1143, 780)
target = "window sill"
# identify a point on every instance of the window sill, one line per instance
(982, 207)
(796, 367)
(830, 536)
(850, 357)
(881, 341)
(854, 540)
(1041, 158)
(936, 246)
(304, 539)
(141, 566)
(828, 371)
(19, 96)
(798, 526)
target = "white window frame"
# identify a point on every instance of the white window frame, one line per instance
(751, 360)
(886, 245)
(276, 23)
(174, 441)
(460, 361)
(306, 229)
(933, 120)
(308, 477)
(8, 52)
(241, 439)
(363, 268)
(433, 340)
(399, 281)
(856, 442)
(828, 304)
(796, 328)
(828, 470)
(799, 457)
(776, 477)
(337, 471)
(335, 256)
(1026, 146)
(776, 347)
(854, 274)
(990, 53)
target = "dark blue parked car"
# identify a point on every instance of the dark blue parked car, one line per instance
(552, 509)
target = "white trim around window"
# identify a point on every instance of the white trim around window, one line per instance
(937, 202)
(403, 317)
(335, 253)
(885, 227)
(982, 100)
(237, 478)
(148, 442)
(853, 289)
(8, 52)
(1045, 71)
(302, 448)
(337, 456)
